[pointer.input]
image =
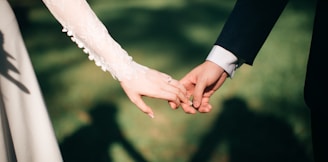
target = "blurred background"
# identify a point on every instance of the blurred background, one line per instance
(259, 115)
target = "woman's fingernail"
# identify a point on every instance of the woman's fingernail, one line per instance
(151, 115)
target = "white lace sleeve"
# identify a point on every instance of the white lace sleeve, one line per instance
(89, 33)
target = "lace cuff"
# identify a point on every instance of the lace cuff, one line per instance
(90, 34)
(124, 69)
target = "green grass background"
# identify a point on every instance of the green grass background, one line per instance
(172, 36)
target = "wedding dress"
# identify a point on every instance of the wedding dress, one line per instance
(26, 133)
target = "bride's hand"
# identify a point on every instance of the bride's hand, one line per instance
(153, 84)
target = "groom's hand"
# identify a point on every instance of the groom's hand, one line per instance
(201, 83)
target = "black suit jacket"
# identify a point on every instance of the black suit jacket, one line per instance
(249, 25)
(242, 35)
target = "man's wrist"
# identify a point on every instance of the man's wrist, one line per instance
(224, 58)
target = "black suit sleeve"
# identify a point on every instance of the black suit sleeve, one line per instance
(248, 26)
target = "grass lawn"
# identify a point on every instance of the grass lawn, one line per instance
(258, 113)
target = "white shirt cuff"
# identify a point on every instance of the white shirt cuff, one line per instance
(224, 58)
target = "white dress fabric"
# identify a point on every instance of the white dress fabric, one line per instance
(26, 133)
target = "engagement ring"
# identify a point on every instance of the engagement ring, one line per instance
(169, 79)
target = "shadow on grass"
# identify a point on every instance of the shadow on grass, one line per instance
(92, 142)
(249, 136)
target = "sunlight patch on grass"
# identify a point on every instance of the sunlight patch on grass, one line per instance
(200, 34)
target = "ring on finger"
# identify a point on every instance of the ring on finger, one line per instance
(169, 79)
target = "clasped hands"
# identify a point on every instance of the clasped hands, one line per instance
(200, 84)
(192, 92)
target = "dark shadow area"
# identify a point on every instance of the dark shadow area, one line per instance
(21, 13)
(7, 66)
(91, 143)
(250, 137)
